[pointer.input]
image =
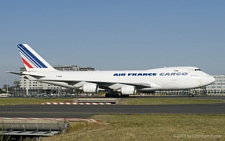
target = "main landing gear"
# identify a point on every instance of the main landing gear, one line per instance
(191, 93)
(115, 94)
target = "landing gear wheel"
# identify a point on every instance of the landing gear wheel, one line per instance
(124, 95)
(112, 95)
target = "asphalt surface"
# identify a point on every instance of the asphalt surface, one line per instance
(84, 111)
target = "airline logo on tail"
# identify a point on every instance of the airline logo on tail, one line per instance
(29, 59)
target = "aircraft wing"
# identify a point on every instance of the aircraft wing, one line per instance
(80, 84)
(119, 85)
(115, 86)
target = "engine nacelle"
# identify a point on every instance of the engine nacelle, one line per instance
(90, 88)
(127, 90)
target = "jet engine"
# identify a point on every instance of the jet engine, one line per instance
(90, 88)
(127, 90)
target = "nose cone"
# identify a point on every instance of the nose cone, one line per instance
(207, 80)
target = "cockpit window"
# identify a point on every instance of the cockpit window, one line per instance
(197, 69)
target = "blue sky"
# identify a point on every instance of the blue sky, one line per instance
(114, 34)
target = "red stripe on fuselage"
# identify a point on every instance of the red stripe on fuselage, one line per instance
(26, 63)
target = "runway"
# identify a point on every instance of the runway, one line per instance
(83, 111)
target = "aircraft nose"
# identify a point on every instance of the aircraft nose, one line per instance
(212, 79)
(208, 79)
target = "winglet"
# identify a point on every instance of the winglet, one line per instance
(32, 60)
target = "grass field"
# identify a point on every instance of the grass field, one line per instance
(144, 127)
(161, 101)
(16, 101)
(147, 127)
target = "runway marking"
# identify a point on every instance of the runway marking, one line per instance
(78, 103)
(58, 119)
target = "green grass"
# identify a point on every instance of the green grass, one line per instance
(145, 127)
(161, 101)
(16, 101)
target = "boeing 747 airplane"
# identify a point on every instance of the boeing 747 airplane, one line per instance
(125, 82)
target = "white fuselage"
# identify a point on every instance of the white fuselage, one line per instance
(173, 78)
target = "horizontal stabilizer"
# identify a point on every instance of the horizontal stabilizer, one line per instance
(30, 77)
(33, 74)
(17, 73)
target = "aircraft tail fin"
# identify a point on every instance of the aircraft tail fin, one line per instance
(32, 60)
